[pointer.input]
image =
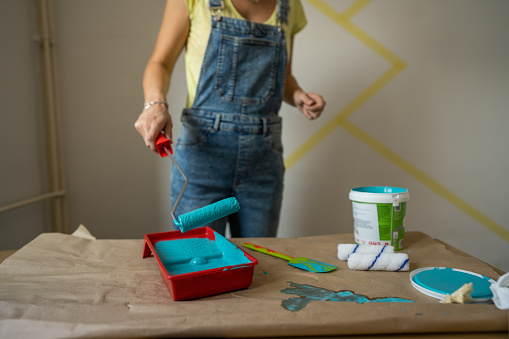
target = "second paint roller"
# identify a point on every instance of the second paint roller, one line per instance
(201, 216)
(373, 257)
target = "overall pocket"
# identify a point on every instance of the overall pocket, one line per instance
(193, 133)
(246, 69)
(274, 139)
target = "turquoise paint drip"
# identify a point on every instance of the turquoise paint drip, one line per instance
(308, 293)
(182, 256)
(207, 214)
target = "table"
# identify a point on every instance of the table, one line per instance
(76, 286)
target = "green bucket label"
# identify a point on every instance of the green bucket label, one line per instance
(379, 224)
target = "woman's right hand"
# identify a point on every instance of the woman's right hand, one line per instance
(152, 121)
(156, 79)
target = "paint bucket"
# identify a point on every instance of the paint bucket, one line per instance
(379, 215)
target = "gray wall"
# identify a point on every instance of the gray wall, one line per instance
(23, 171)
(416, 93)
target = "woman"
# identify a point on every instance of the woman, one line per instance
(238, 70)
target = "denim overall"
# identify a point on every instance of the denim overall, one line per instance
(230, 140)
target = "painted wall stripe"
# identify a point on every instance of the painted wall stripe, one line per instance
(357, 32)
(348, 110)
(355, 8)
(425, 179)
(340, 119)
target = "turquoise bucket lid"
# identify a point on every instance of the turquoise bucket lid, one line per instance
(380, 194)
(437, 282)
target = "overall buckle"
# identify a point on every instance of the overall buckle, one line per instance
(216, 9)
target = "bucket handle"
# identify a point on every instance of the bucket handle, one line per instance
(396, 201)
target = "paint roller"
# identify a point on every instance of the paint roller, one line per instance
(373, 257)
(344, 250)
(201, 216)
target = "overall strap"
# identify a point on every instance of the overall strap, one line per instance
(282, 9)
(216, 4)
(215, 7)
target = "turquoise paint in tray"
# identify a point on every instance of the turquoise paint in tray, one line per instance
(198, 254)
(199, 263)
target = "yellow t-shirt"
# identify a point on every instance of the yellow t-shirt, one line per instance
(199, 32)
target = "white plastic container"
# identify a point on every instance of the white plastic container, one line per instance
(379, 214)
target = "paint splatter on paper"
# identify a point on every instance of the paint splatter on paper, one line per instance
(308, 293)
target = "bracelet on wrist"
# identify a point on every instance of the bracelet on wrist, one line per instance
(152, 103)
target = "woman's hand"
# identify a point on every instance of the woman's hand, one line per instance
(156, 79)
(152, 121)
(310, 104)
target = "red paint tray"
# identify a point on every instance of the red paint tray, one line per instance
(199, 263)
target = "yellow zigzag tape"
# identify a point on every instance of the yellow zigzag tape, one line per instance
(340, 119)
(425, 179)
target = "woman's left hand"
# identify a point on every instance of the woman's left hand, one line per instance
(310, 104)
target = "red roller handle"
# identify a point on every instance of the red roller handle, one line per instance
(163, 143)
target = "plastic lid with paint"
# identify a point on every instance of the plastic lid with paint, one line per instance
(437, 282)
